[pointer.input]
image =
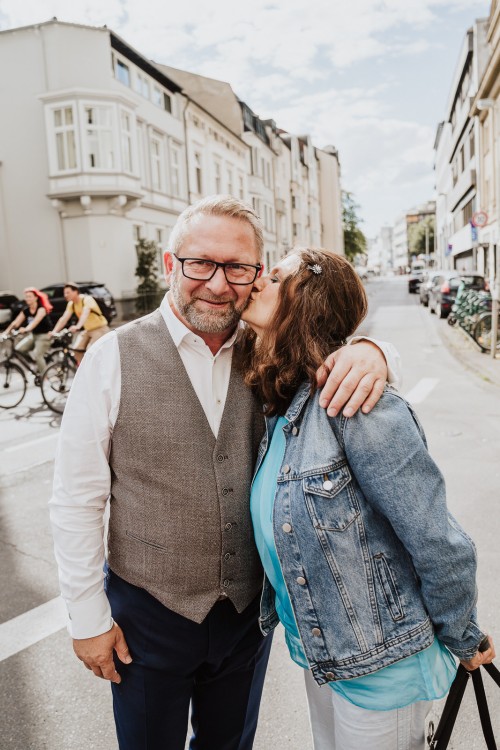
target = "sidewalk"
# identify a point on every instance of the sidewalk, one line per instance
(468, 353)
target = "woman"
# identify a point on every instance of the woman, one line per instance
(34, 323)
(371, 577)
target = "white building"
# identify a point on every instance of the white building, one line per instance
(93, 156)
(103, 147)
(457, 159)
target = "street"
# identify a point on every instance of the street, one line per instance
(51, 702)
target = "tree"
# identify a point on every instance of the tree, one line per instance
(421, 237)
(147, 273)
(354, 239)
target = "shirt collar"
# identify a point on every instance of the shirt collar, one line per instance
(179, 331)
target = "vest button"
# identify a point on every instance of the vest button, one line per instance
(227, 556)
(316, 631)
(295, 431)
(226, 582)
(286, 528)
(228, 526)
(220, 458)
(301, 581)
(225, 491)
(329, 676)
(286, 469)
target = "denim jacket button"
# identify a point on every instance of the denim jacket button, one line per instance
(295, 431)
(316, 631)
(329, 676)
(327, 485)
(301, 581)
(286, 469)
(286, 528)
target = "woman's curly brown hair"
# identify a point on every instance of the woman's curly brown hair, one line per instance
(316, 313)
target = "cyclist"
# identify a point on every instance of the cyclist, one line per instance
(34, 322)
(91, 323)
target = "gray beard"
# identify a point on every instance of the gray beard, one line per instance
(211, 321)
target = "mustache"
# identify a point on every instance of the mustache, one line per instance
(212, 298)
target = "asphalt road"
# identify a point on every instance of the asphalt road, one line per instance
(50, 702)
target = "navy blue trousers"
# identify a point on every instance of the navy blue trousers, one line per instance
(217, 667)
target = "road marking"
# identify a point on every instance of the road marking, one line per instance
(33, 626)
(420, 391)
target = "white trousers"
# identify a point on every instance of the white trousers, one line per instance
(339, 725)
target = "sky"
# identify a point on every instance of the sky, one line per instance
(371, 77)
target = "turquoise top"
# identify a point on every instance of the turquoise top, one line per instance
(425, 676)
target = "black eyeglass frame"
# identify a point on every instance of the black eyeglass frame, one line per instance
(218, 265)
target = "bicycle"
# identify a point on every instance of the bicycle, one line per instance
(55, 381)
(58, 377)
(482, 332)
(13, 369)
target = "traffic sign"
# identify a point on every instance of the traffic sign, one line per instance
(479, 219)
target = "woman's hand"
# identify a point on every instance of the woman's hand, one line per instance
(480, 657)
(353, 376)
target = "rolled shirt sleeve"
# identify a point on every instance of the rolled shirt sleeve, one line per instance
(82, 482)
(392, 357)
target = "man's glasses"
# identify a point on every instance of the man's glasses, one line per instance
(199, 269)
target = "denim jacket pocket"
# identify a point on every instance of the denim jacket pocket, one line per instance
(331, 505)
(388, 585)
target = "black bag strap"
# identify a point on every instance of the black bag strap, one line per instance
(440, 739)
(484, 714)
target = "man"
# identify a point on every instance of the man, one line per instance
(91, 323)
(159, 421)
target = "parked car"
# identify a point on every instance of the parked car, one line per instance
(96, 289)
(414, 281)
(427, 281)
(10, 305)
(444, 289)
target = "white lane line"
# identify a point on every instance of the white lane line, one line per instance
(31, 627)
(420, 391)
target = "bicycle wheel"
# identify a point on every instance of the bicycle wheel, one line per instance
(482, 333)
(56, 384)
(12, 384)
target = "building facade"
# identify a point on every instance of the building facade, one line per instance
(109, 147)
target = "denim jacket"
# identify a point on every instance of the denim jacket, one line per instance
(373, 562)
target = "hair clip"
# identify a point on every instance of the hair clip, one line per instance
(316, 269)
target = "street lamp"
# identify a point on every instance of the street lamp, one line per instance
(494, 268)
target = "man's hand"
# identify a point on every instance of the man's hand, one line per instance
(357, 376)
(97, 653)
(480, 657)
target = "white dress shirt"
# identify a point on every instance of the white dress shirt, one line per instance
(82, 477)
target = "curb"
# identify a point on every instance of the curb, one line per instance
(25, 472)
(467, 352)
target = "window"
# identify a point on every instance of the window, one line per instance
(64, 129)
(159, 236)
(255, 161)
(99, 137)
(241, 188)
(157, 97)
(126, 139)
(462, 159)
(122, 72)
(269, 180)
(156, 149)
(217, 178)
(175, 174)
(230, 178)
(467, 213)
(472, 144)
(167, 102)
(137, 234)
(142, 85)
(198, 173)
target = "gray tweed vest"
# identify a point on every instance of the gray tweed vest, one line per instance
(180, 523)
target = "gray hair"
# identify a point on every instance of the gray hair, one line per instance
(216, 205)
